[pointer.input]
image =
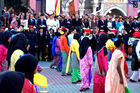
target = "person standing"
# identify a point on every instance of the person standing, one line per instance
(54, 52)
(64, 51)
(41, 44)
(73, 59)
(86, 62)
(70, 36)
(135, 65)
(18, 46)
(6, 37)
(32, 36)
(115, 78)
(101, 65)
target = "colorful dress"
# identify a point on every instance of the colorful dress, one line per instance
(85, 66)
(3, 62)
(15, 56)
(101, 67)
(55, 57)
(112, 83)
(73, 60)
(28, 87)
(64, 51)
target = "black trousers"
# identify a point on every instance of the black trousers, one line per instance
(50, 52)
(42, 54)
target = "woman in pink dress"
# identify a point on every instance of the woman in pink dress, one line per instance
(86, 62)
(101, 65)
(115, 78)
(6, 37)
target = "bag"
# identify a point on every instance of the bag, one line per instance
(40, 80)
(127, 89)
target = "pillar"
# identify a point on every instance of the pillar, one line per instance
(1, 6)
(82, 7)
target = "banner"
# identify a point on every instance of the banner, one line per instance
(76, 5)
(50, 6)
(132, 8)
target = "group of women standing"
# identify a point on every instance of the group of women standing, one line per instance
(78, 59)
(21, 65)
(108, 77)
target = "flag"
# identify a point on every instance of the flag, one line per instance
(76, 5)
(58, 7)
(132, 8)
(135, 4)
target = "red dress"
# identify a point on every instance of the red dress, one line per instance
(28, 87)
(125, 63)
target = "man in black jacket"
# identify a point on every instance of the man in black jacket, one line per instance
(41, 44)
(31, 21)
(41, 21)
(76, 23)
(102, 24)
(127, 27)
(115, 22)
(32, 37)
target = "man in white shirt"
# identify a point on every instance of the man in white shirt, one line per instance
(136, 64)
(51, 23)
(70, 36)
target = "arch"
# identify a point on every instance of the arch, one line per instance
(118, 8)
(139, 11)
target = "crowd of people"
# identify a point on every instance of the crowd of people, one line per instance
(71, 43)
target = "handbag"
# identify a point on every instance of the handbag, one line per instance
(127, 90)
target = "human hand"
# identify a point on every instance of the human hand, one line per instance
(121, 81)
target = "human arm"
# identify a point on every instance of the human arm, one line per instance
(66, 45)
(119, 70)
(90, 56)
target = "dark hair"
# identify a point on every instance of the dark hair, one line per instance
(77, 36)
(22, 25)
(118, 42)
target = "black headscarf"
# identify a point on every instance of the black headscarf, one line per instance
(19, 41)
(101, 42)
(11, 82)
(77, 36)
(93, 43)
(27, 64)
(84, 45)
(4, 39)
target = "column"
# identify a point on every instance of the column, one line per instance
(1, 5)
(82, 7)
(95, 5)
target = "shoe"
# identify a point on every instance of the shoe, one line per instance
(79, 81)
(63, 75)
(87, 88)
(82, 89)
(132, 81)
(69, 74)
(138, 80)
(74, 82)
(51, 67)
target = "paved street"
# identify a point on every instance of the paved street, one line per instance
(59, 84)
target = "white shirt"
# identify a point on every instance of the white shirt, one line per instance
(138, 50)
(70, 38)
(109, 24)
